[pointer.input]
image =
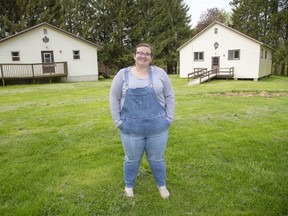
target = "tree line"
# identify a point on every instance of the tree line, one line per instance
(118, 25)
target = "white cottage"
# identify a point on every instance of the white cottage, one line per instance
(219, 46)
(47, 51)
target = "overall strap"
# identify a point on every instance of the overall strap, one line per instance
(150, 76)
(126, 77)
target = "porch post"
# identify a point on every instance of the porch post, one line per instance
(32, 67)
(2, 75)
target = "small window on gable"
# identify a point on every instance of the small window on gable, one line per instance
(15, 56)
(215, 30)
(45, 31)
(198, 56)
(233, 54)
(76, 54)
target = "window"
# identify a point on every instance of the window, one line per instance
(76, 54)
(233, 54)
(265, 54)
(45, 31)
(47, 57)
(262, 51)
(15, 56)
(198, 56)
(215, 30)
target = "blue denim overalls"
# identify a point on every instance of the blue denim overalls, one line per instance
(141, 112)
(144, 128)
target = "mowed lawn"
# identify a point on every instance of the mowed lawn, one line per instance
(60, 153)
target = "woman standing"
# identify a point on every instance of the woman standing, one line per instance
(142, 107)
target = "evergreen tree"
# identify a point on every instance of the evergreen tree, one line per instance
(123, 24)
(10, 18)
(165, 24)
(266, 21)
(112, 31)
(281, 54)
(176, 30)
(254, 18)
(17, 15)
(78, 17)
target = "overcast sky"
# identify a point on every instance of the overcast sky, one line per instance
(197, 7)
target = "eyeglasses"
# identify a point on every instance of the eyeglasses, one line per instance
(144, 54)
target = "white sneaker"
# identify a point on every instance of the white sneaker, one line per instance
(129, 192)
(164, 192)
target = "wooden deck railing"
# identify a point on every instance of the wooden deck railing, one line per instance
(205, 75)
(33, 71)
(196, 73)
(225, 72)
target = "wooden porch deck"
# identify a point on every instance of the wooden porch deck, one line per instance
(33, 71)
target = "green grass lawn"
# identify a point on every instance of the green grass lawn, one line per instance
(60, 153)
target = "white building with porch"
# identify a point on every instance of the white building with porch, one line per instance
(224, 49)
(45, 51)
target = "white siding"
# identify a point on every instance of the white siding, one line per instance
(265, 63)
(186, 60)
(27, 44)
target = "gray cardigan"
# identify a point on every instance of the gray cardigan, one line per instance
(161, 85)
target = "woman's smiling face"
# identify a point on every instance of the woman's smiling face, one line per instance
(143, 56)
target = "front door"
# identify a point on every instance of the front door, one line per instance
(48, 62)
(216, 63)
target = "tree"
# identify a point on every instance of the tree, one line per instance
(166, 27)
(281, 54)
(266, 21)
(17, 15)
(211, 15)
(112, 30)
(123, 24)
(9, 18)
(254, 18)
(176, 28)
